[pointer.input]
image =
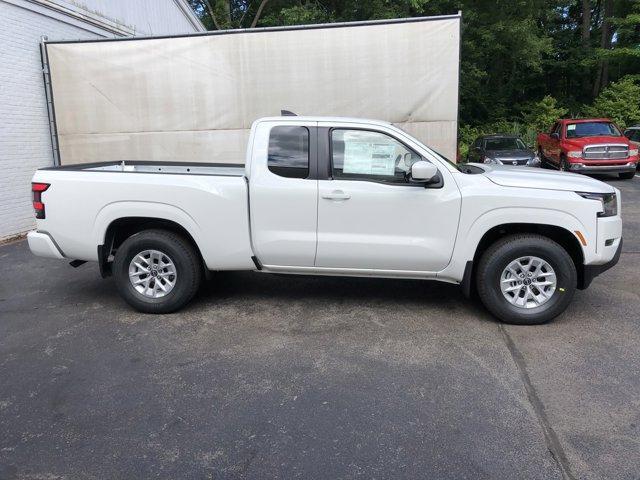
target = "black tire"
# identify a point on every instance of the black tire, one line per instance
(510, 248)
(187, 267)
(543, 161)
(564, 165)
(627, 175)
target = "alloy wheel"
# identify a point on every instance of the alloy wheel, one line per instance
(528, 282)
(152, 273)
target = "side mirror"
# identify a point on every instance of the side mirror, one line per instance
(422, 171)
(555, 136)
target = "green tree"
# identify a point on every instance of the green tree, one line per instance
(299, 14)
(229, 14)
(620, 102)
(518, 56)
(541, 115)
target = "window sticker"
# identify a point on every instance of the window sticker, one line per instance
(369, 158)
(571, 127)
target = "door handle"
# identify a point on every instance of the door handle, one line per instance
(336, 195)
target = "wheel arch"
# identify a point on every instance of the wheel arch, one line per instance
(124, 227)
(560, 235)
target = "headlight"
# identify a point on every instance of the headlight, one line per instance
(633, 153)
(495, 161)
(575, 154)
(609, 202)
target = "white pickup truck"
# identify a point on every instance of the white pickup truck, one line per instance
(333, 196)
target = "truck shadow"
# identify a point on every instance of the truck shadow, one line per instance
(252, 286)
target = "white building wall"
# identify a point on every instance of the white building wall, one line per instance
(145, 18)
(25, 143)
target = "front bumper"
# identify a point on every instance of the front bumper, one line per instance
(42, 245)
(592, 271)
(586, 168)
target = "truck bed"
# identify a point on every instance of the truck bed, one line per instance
(210, 201)
(174, 168)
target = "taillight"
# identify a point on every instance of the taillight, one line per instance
(38, 206)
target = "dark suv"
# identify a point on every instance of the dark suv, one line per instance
(502, 150)
(633, 134)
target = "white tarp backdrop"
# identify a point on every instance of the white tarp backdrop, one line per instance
(194, 98)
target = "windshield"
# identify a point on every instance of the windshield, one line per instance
(592, 129)
(506, 143)
(442, 157)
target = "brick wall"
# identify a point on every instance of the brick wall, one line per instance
(25, 144)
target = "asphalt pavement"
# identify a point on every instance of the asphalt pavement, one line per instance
(268, 376)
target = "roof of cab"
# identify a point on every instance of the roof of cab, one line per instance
(500, 135)
(584, 120)
(294, 118)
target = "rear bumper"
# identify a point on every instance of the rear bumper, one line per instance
(586, 168)
(42, 245)
(592, 271)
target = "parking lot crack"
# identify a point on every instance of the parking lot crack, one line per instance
(550, 437)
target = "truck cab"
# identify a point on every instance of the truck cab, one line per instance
(588, 146)
(344, 184)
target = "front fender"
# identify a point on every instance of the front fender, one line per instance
(468, 240)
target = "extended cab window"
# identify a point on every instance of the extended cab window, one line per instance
(289, 152)
(367, 155)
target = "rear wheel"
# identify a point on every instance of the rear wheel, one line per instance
(526, 279)
(157, 271)
(627, 175)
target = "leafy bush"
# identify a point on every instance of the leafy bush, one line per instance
(620, 102)
(536, 117)
(539, 116)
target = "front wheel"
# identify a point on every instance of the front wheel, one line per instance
(157, 271)
(627, 175)
(526, 279)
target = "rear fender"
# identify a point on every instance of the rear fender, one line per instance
(162, 211)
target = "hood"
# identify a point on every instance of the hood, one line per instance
(581, 142)
(509, 153)
(525, 177)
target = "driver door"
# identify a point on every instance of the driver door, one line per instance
(371, 217)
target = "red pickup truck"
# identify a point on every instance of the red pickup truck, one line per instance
(593, 145)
